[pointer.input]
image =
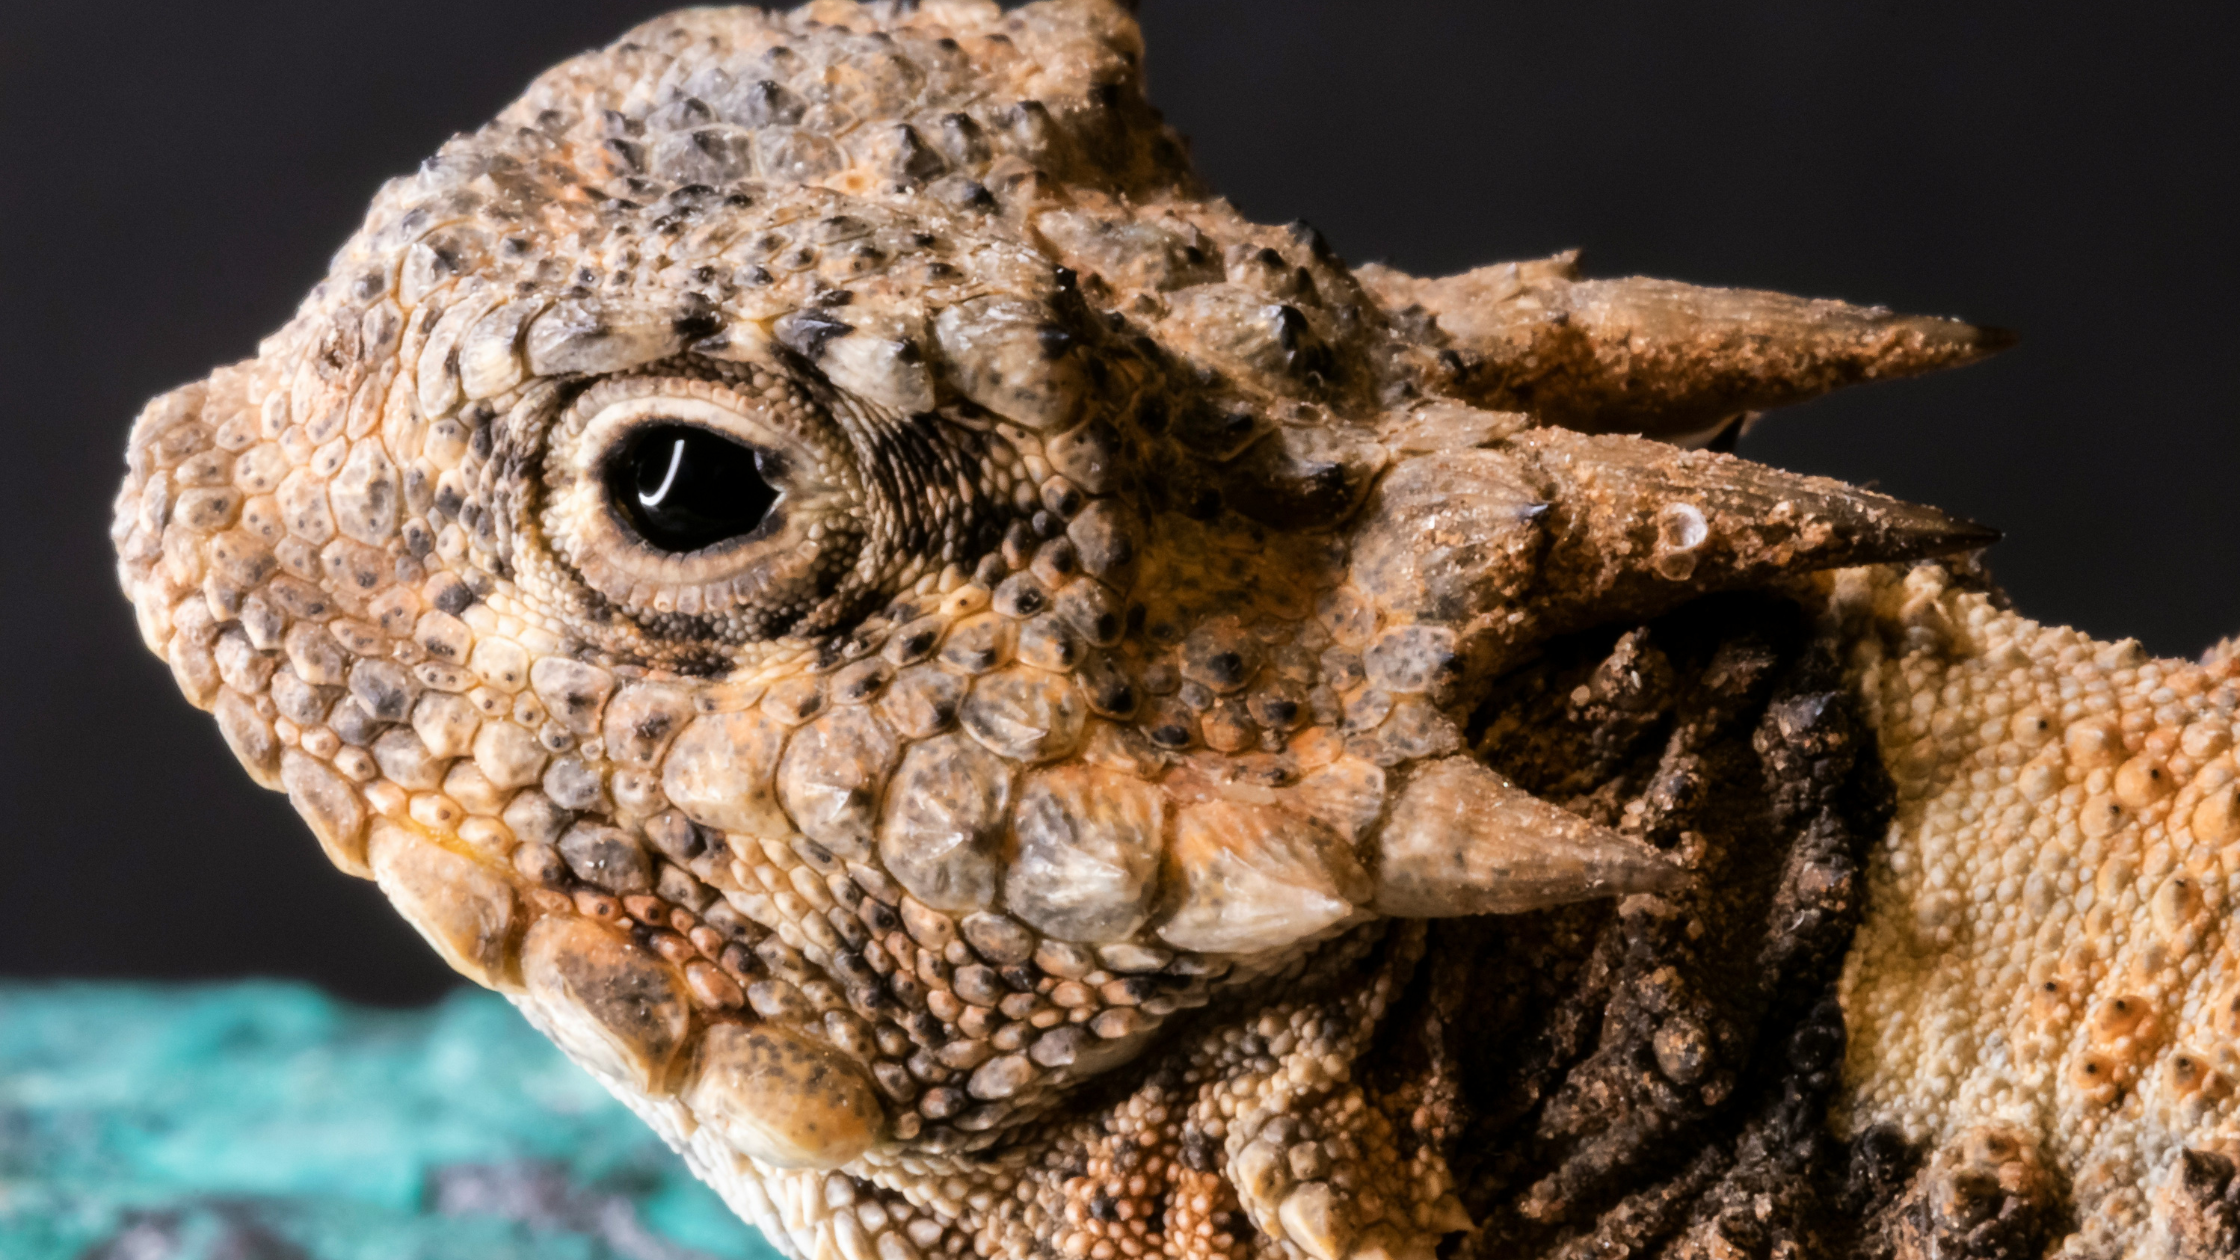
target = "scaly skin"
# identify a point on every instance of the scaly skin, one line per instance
(1017, 841)
(2046, 955)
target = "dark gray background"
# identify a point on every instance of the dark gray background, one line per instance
(172, 180)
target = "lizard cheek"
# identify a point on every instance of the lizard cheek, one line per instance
(1089, 849)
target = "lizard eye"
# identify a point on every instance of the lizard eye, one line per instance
(741, 509)
(684, 488)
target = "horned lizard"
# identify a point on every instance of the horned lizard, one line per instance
(1008, 710)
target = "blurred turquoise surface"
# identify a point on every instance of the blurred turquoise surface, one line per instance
(267, 1121)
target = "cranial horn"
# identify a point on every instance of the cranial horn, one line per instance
(1463, 840)
(1636, 526)
(1551, 531)
(1673, 361)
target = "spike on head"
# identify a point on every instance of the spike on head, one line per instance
(1669, 360)
(1639, 526)
(1463, 840)
(1551, 531)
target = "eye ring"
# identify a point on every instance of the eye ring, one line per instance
(749, 583)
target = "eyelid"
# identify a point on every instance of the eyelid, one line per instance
(706, 413)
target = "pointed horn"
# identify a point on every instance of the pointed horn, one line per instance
(1463, 840)
(1636, 526)
(1673, 361)
(1553, 531)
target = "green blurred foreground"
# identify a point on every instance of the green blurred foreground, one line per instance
(266, 1121)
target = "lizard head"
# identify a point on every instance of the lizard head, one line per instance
(813, 555)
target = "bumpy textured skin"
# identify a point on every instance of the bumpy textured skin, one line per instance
(1215, 752)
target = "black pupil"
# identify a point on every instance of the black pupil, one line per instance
(686, 488)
